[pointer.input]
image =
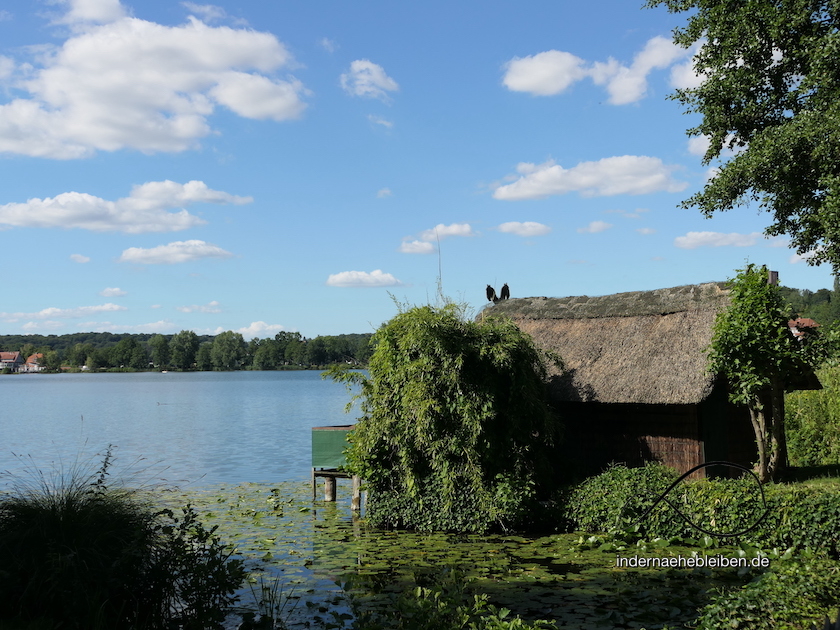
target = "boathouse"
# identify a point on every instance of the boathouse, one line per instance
(634, 385)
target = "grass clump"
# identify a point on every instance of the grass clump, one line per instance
(77, 553)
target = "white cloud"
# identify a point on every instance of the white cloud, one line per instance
(527, 228)
(5, 15)
(378, 120)
(177, 252)
(122, 82)
(93, 11)
(328, 44)
(63, 313)
(368, 80)
(441, 231)
(144, 210)
(683, 76)
(163, 326)
(594, 227)
(646, 230)
(255, 329)
(698, 145)
(554, 71)
(693, 240)
(383, 192)
(79, 258)
(207, 12)
(798, 258)
(45, 325)
(375, 278)
(112, 292)
(544, 74)
(620, 175)
(210, 307)
(417, 247)
(7, 66)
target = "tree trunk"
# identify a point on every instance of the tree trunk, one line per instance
(758, 417)
(778, 442)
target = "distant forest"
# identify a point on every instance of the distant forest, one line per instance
(286, 350)
(188, 351)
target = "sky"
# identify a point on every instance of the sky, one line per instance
(308, 166)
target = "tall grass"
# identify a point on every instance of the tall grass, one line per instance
(812, 420)
(77, 553)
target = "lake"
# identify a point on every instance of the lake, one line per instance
(183, 428)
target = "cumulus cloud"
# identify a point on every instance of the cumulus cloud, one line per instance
(144, 210)
(210, 307)
(368, 80)
(527, 228)
(441, 231)
(121, 82)
(646, 230)
(375, 278)
(207, 12)
(163, 327)
(78, 258)
(383, 192)
(417, 247)
(620, 175)
(112, 292)
(177, 252)
(554, 71)
(683, 75)
(255, 329)
(45, 325)
(328, 44)
(594, 227)
(53, 313)
(693, 240)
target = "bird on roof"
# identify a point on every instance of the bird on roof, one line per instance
(491, 294)
(505, 291)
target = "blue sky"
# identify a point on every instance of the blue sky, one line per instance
(263, 166)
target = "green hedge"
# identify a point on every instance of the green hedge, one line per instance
(812, 420)
(802, 516)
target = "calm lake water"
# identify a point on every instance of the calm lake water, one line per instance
(193, 428)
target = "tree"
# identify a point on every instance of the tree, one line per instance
(203, 359)
(770, 92)
(456, 432)
(752, 347)
(228, 350)
(182, 348)
(160, 351)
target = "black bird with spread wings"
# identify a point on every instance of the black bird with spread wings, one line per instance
(491, 293)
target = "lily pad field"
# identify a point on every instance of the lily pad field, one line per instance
(318, 565)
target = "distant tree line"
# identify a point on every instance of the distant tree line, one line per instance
(188, 351)
(823, 306)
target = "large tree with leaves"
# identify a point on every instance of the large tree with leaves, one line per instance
(456, 432)
(771, 92)
(754, 350)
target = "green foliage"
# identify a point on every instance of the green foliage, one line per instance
(798, 515)
(813, 422)
(456, 432)
(228, 350)
(771, 74)
(782, 599)
(752, 346)
(444, 605)
(78, 552)
(182, 349)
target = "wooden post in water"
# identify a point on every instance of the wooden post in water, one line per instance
(356, 501)
(329, 488)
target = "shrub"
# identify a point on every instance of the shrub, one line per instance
(456, 433)
(79, 554)
(796, 515)
(813, 422)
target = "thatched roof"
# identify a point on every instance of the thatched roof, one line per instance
(638, 347)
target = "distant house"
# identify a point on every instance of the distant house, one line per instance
(33, 363)
(635, 386)
(10, 361)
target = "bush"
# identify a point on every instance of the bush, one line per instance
(813, 422)
(457, 433)
(75, 553)
(796, 515)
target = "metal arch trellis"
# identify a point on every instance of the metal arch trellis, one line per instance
(663, 497)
